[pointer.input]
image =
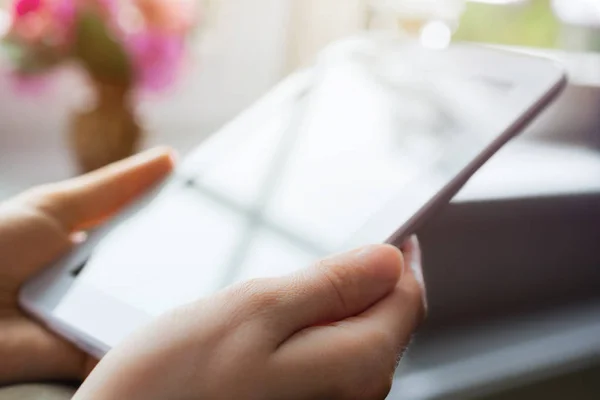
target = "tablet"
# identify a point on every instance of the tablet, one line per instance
(359, 149)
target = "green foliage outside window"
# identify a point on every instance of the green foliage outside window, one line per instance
(531, 23)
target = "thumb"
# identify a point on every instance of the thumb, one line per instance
(338, 287)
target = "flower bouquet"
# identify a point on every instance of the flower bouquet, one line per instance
(122, 45)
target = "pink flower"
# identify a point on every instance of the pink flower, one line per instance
(157, 58)
(152, 33)
(24, 7)
(50, 21)
(64, 12)
(31, 85)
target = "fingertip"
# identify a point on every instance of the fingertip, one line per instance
(152, 164)
(163, 156)
(384, 260)
(144, 168)
(171, 155)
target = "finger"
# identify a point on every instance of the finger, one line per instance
(413, 259)
(356, 355)
(37, 355)
(412, 248)
(395, 318)
(84, 201)
(331, 290)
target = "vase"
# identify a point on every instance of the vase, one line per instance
(106, 132)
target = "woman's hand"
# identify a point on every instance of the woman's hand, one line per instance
(36, 228)
(334, 331)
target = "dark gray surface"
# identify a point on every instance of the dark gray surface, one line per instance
(507, 277)
(506, 258)
(579, 385)
(499, 258)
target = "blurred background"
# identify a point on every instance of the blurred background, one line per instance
(512, 265)
(238, 51)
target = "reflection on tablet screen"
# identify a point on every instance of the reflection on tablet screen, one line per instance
(299, 184)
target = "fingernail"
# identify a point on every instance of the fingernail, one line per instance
(79, 237)
(156, 153)
(418, 272)
(413, 248)
(417, 262)
(174, 156)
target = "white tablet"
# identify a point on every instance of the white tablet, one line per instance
(359, 149)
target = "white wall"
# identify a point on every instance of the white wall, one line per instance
(249, 47)
(316, 23)
(241, 57)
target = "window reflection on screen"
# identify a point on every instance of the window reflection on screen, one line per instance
(298, 184)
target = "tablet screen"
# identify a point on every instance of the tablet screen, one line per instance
(302, 178)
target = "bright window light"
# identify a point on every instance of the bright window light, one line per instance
(497, 1)
(4, 22)
(436, 35)
(580, 12)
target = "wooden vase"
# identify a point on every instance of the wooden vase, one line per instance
(108, 131)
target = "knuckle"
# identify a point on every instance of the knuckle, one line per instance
(374, 362)
(338, 281)
(377, 383)
(380, 388)
(349, 388)
(40, 194)
(374, 388)
(257, 296)
(45, 198)
(364, 377)
(255, 306)
(367, 386)
(384, 355)
(414, 295)
(383, 342)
